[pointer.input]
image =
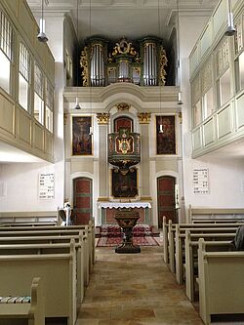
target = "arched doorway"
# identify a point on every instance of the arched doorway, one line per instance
(166, 199)
(82, 202)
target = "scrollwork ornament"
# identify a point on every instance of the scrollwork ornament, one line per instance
(84, 67)
(163, 64)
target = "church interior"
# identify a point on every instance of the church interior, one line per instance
(122, 129)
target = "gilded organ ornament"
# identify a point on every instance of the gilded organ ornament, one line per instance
(84, 65)
(163, 63)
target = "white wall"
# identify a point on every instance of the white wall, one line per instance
(226, 183)
(19, 182)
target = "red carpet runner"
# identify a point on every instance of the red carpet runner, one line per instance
(114, 241)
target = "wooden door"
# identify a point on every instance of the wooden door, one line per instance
(166, 199)
(82, 194)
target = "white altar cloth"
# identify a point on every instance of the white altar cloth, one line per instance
(117, 205)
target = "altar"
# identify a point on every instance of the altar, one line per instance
(109, 208)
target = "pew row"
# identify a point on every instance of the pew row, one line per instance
(23, 304)
(212, 234)
(214, 215)
(191, 260)
(29, 218)
(58, 274)
(57, 248)
(221, 283)
(169, 235)
(80, 238)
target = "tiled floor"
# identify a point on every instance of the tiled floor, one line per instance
(134, 289)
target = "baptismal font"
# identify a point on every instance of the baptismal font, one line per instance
(127, 219)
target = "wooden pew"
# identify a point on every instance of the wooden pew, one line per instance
(210, 234)
(54, 248)
(221, 283)
(32, 310)
(214, 215)
(49, 239)
(28, 218)
(191, 266)
(169, 236)
(88, 229)
(58, 273)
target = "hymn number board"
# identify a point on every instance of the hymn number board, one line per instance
(46, 186)
(200, 181)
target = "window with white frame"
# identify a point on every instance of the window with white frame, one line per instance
(38, 95)
(196, 101)
(6, 38)
(239, 54)
(49, 106)
(208, 103)
(24, 76)
(223, 83)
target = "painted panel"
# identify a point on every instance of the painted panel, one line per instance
(124, 185)
(7, 112)
(49, 143)
(166, 143)
(206, 40)
(38, 136)
(224, 120)
(197, 139)
(208, 132)
(23, 126)
(81, 137)
(219, 17)
(14, 4)
(26, 18)
(240, 111)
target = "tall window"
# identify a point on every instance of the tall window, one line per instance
(24, 76)
(239, 54)
(49, 106)
(223, 72)
(6, 35)
(39, 95)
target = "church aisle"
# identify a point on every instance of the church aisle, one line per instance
(134, 289)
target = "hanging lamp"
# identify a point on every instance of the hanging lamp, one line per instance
(42, 37)
(77, 105)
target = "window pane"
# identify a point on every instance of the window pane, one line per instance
(38, 109)
(4, 72)
(197, 113)
(208, 101)
(23, 92)
(49, 119)
(224, 88)
(5, 35)
(240, 72)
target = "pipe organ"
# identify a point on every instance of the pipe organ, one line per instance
(141, 62)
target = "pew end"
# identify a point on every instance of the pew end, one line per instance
(33, 310)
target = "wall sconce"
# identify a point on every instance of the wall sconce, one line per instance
(230, 31)
(42, 37)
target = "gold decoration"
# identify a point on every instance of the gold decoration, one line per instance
(163, 63)
(124, 47)
(123, 107)
(103, 118)
(144, 118)
(180, 117)
(84, 66)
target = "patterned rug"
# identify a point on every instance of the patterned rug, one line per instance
(115, 241)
